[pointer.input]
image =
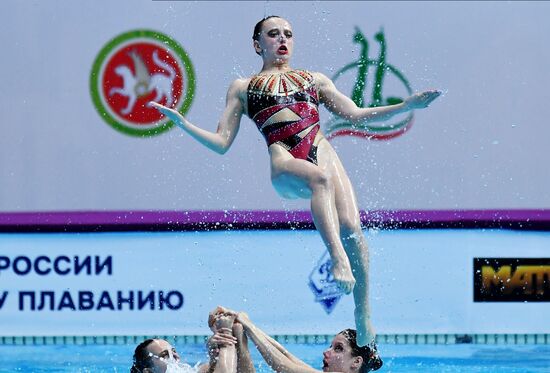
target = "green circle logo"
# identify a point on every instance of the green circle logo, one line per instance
(363, 67)
(135, 68)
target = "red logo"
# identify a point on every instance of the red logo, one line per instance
(134, 69)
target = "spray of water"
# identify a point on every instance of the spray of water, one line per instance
(175, 366)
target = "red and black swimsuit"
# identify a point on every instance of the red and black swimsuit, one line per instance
(284, 106)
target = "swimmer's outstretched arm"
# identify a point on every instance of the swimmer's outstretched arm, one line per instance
(339, 104)
(273, 342)
(228, 126)
(278, 358)
(244, 360)
(227, 337)
(220, 338)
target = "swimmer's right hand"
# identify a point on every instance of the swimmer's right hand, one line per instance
(174, 115)
(222, 337)
(224, 321)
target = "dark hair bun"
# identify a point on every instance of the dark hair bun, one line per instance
(375, 363)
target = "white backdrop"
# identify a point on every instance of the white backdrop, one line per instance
(483, 145)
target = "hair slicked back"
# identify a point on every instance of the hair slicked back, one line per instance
(258, 27)
(141, 357)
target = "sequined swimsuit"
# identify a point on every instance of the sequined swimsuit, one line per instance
(284, 106)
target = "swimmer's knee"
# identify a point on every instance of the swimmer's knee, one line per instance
(321, 181)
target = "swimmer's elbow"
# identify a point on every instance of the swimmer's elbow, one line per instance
(220, 144)
(222, 150)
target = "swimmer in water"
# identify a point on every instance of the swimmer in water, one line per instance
(227, 349)
(283, 102)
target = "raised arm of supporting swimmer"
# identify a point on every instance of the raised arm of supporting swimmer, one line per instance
(228, 126)
(227, 337)
(227, 357)
(269, 339)
(341, 105)
(244, 361)
(278, 358)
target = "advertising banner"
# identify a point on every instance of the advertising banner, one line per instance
(421, 282)
(512, 280)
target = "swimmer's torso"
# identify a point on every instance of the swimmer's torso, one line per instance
(284, 106)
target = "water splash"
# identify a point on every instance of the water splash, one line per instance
(172, 366)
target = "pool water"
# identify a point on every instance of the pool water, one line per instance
(397, 358)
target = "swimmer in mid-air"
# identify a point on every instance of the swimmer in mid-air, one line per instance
(283, 102)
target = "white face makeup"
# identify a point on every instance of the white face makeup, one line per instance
(276, 41)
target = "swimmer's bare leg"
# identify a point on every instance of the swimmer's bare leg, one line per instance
(305, 180)
(355, 244)
(357, 247)
(323, 210)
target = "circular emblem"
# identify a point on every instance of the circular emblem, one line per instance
(364, 67)
(135, 68)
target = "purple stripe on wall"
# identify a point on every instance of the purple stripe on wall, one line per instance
(265, 218)
(151, 217)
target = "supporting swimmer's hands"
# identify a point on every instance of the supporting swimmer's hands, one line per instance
(421, 100)
(241, 317)
(212, 317)
(238, 332)
(224, 321)
(174, 115)
(221, 338)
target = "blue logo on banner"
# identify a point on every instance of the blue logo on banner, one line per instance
(323, 286)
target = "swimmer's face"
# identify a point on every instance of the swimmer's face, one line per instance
(276, 41)
(338, 357)
(160, 351)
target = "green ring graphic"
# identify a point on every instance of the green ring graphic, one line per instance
(108, 48)
(375, 130)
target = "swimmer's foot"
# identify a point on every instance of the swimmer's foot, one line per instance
(343, 276)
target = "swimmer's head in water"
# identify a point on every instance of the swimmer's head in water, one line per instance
(371, 360)
(153, 356)
(273, 39)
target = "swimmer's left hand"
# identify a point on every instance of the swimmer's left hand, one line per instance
(422, 100)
